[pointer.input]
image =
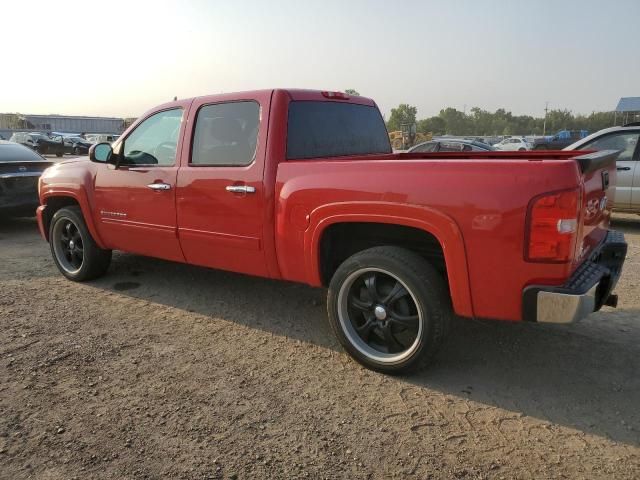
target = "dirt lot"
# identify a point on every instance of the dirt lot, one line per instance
(160, 370)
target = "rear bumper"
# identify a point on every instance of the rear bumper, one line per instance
(589, 288)
(21, 206)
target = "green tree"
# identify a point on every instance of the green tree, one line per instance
(560, 120)
(435, 125)
(502, 122)
(351, 91)
(404, 113)
(457, 122)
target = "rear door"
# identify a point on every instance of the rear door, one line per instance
(221, 195)
(135, 202)
(626, 141)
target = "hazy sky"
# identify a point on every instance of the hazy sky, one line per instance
(121, 57)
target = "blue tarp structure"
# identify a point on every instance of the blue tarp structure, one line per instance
(629, 108)
(628, 104)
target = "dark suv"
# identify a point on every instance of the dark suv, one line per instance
(39, 142)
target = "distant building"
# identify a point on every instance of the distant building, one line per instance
(61, 123)
(629, 109)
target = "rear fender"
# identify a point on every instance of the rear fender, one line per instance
(442, 227)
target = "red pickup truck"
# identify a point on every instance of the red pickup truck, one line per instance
(303, 186)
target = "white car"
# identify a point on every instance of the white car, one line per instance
(625, 139)
(513, 144)
(101, 137)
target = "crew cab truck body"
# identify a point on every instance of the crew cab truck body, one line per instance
(302, 186)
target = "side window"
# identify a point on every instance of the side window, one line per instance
(154, 141)
(452, 147)
(624, 141)
(425, 147)
(226, 134)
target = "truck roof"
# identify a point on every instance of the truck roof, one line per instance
(295, 94)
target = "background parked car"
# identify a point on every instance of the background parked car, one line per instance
(451, 145)
(101, 137)
(39, 142)
(560, 140)
(76, 145)
(625, 139)
(513, 144)
(20, 168)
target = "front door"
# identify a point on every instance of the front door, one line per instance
(221, 194)
(627, 143)
(136, 200)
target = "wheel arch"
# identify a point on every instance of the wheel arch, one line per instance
(432, 223)
(55, 200)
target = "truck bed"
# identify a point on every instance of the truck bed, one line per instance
(485, 196)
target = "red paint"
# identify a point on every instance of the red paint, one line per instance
(474, 204)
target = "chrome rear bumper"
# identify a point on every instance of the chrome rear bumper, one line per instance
(589, 288)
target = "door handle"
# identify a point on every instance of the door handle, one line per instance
(623, 168)
(159, 186)
(240, 189)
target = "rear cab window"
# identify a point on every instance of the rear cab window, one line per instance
(320, 129)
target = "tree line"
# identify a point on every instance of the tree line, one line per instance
(451, 121)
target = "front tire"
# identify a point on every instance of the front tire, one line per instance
(74, 250)
(389, 308)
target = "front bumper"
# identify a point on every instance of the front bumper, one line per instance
(587, 290)
(40, 217)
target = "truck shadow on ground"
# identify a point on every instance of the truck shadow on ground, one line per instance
(583, 376)
(626, 223)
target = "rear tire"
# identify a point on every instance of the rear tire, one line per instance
(74, 250)
(389, 308)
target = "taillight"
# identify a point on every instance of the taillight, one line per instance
(552, 225)
(335, 95)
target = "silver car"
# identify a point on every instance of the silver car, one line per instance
(625, 139)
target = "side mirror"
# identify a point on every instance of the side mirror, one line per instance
(101, 153)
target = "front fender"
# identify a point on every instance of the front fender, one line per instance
(441, 226)
(80, 196)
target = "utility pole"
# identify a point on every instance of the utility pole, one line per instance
(544, 124)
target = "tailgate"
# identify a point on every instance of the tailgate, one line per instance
(598, 171)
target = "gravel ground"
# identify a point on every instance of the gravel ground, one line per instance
(161, 370)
